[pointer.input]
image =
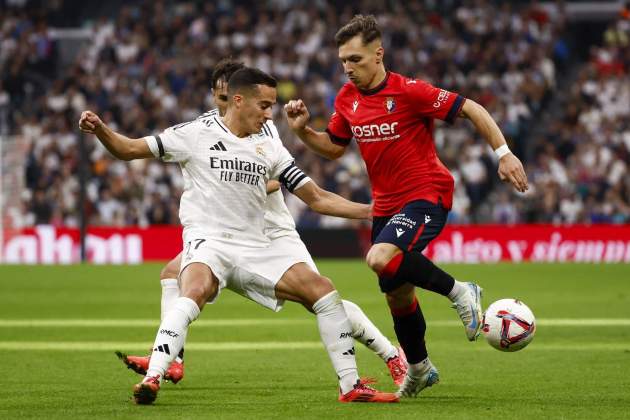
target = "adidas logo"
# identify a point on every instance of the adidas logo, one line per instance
(219, 146)
(163, 348)
(349, 352)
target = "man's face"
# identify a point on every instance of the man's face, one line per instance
(255, 107)
(220, 96)
(361, 62)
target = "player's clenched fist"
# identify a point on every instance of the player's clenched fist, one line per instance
(89, 122)
(297, 114)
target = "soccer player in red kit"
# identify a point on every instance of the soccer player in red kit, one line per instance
(391, 117)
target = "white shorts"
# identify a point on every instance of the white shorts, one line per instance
(250, 272)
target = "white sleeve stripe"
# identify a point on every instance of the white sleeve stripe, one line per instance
(302, 182)
(292, 173)
(293, 177)
(293, 185)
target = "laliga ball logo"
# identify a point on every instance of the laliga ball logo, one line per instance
(508, 325)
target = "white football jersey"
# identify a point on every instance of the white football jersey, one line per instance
(225, 177)
(278, 218)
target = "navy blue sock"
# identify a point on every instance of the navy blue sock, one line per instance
(410, 327)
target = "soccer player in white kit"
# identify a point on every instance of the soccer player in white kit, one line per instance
(226, 163)
(279, 227)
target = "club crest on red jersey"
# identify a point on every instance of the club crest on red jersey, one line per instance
(390, 104)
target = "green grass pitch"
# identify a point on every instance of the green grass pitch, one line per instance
(59, 327)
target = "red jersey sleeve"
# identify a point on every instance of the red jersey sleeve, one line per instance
(339, 129)
(430, 101)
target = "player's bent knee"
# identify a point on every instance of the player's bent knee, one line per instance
(373, 260)
(301, 282)
(199, 283)
(202, 291)
(168, 273)
(316, 288)
(171, 269)
(380, 255)
(323, 285)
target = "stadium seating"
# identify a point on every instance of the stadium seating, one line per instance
(148, 67)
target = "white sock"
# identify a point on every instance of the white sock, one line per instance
(459, 288)
(419, 369)
(336, 333)
(170, 293)
(171, 335)
(366, 333)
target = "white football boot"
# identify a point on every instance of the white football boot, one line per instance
(469, 310)
(412, 384)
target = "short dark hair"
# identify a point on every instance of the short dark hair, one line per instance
(365, 26)
(224, 69)
(247, 78)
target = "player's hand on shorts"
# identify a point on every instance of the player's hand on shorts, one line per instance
(297, 114)
(511, 170)
(89, 122)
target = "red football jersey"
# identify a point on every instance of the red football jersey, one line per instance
(393, 125)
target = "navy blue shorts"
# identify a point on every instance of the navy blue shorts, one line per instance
(411, 229)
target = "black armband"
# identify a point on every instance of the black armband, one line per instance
(291, 177)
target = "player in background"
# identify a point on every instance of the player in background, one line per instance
(391, 118)
(279, 226)
(227, 162)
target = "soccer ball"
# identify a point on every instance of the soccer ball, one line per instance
(508, 325)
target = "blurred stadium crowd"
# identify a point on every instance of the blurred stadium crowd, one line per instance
(148, 67)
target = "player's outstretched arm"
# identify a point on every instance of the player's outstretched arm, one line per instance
(317, 141)
(119, 146)
(510, 167)
(326, 202)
